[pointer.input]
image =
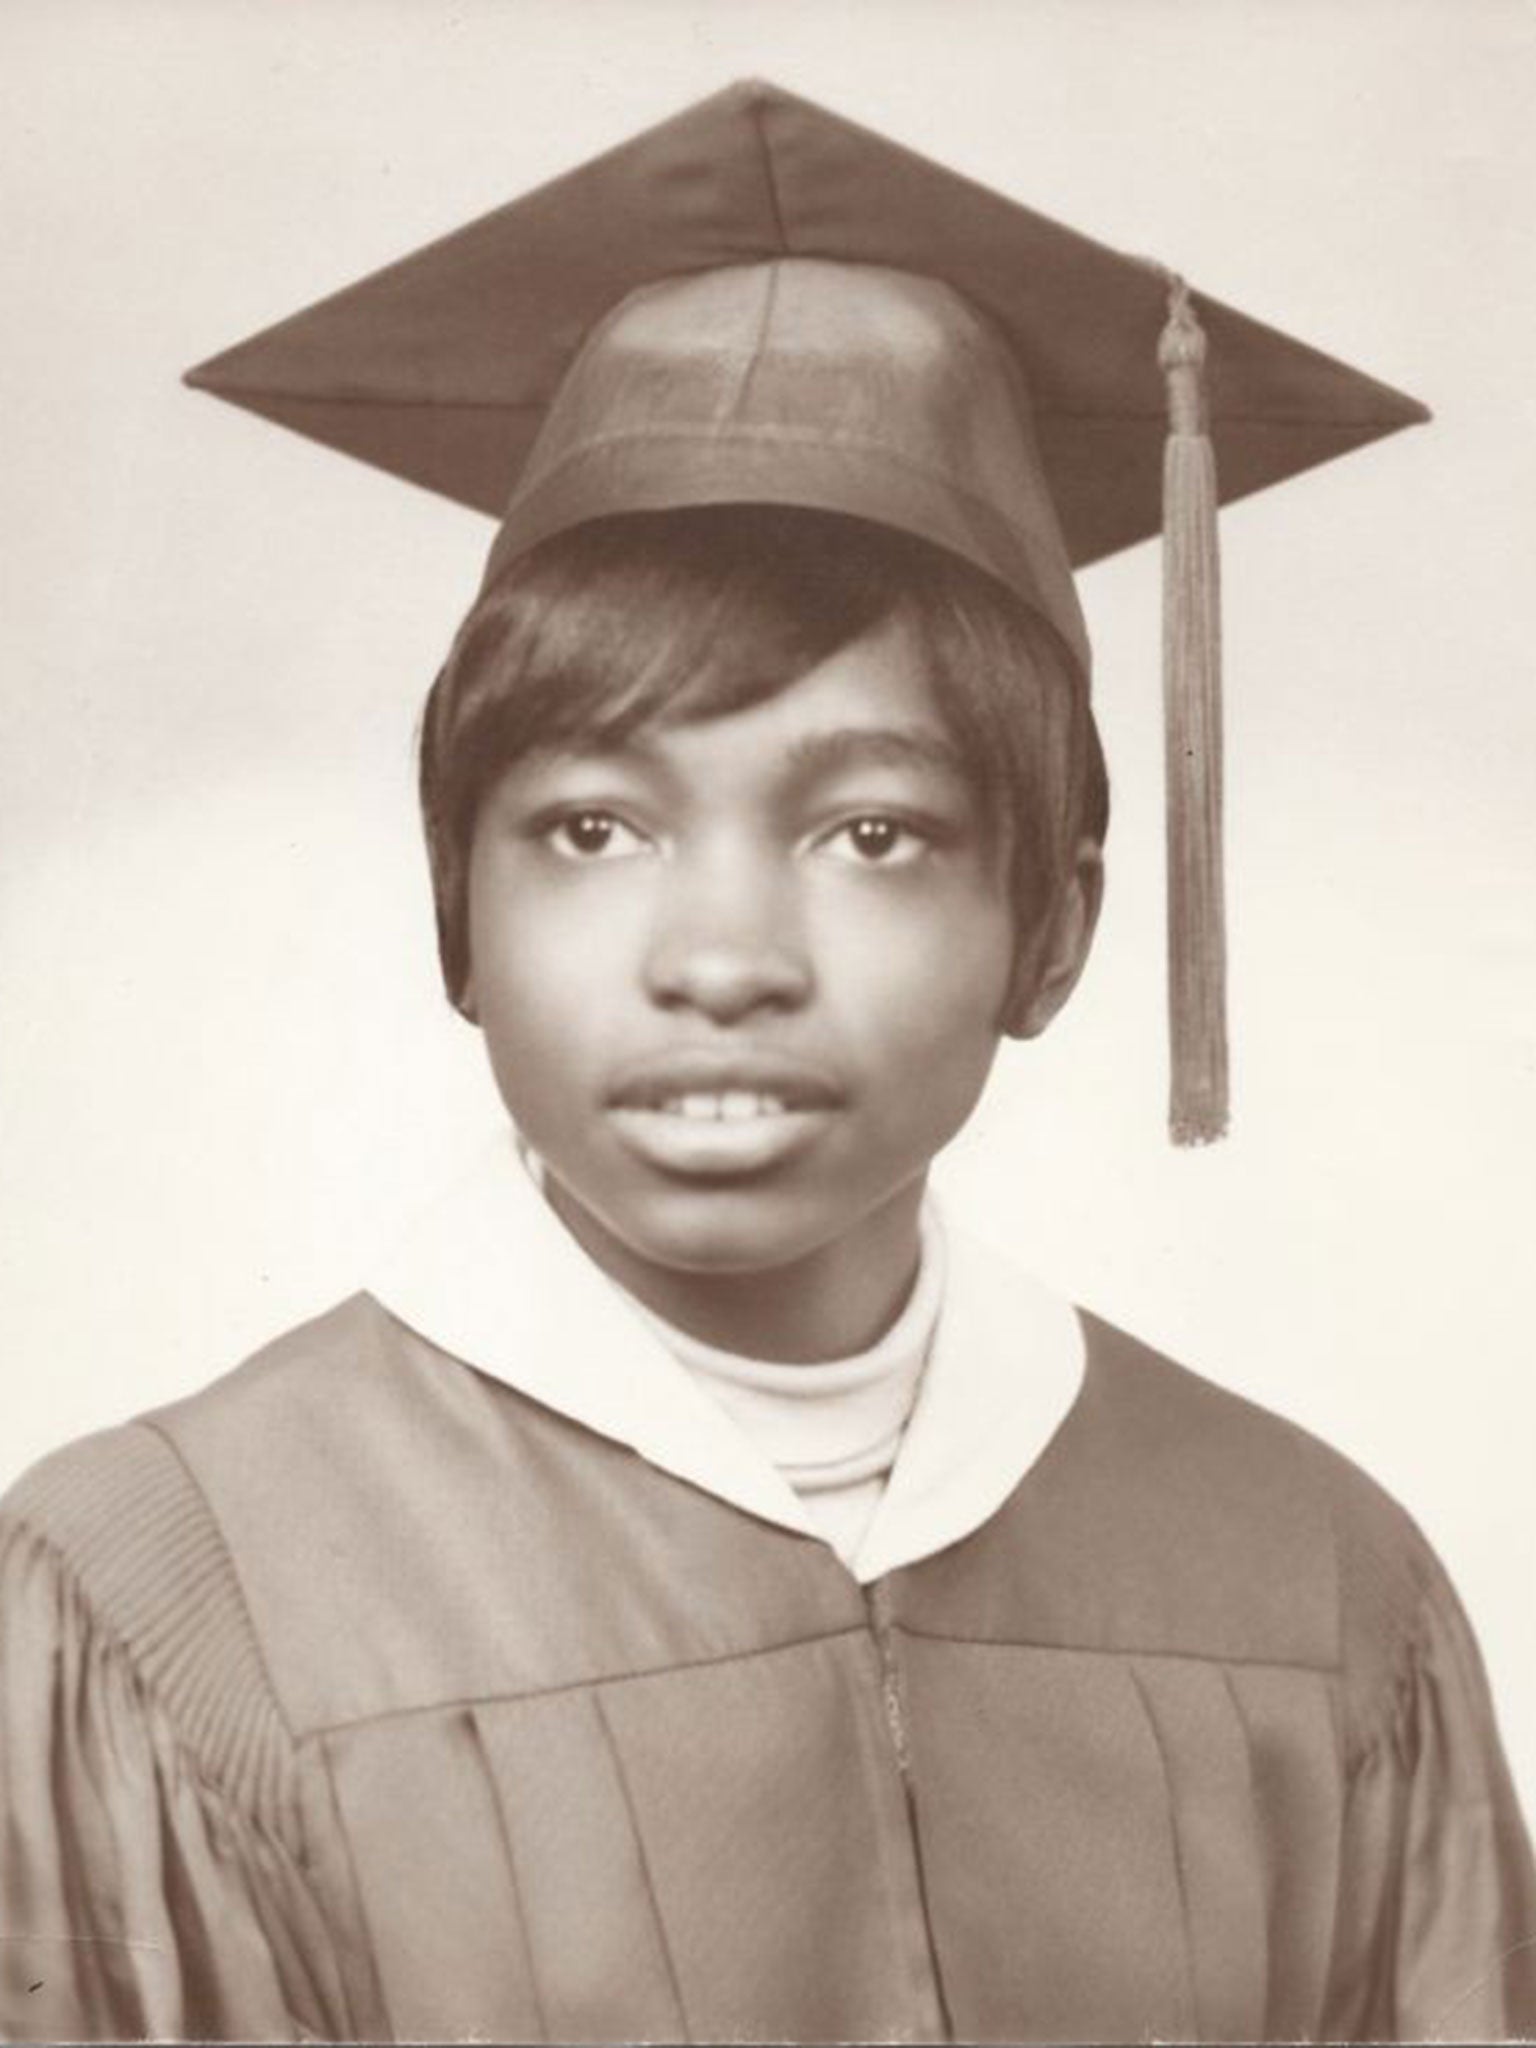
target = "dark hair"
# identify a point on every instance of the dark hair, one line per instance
(666, 617)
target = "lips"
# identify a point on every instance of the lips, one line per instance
(717, 1116)
(724, 1087)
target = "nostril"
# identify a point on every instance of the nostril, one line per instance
(725, 982)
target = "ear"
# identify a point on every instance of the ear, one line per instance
(1047, 968)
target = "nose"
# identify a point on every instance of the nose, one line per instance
(728, 943)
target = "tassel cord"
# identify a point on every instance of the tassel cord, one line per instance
(1192, 703)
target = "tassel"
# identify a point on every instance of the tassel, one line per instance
(1197, 946)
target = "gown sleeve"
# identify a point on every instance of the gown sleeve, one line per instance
(137, 1898)
(1436, 1929)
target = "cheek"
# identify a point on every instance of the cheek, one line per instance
(925, 996)
(532, 934)
(947, 958)
(536, 991)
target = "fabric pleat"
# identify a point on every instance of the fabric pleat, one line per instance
(143, 1548)
(1216, 1840)
(1293, 1772)
(598, 1944)
(139, 1900)
(415, 1796)
(1436, 1932)
(1043, 1810)
(767, 1796)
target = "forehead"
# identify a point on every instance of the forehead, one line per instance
(872, 699)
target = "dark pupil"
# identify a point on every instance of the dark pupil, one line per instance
(590, 831)
(874, 835)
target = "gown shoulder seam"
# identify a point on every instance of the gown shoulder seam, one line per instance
(138, 1551)
(253, 1634)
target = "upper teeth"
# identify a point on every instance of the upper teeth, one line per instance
(731, 1106)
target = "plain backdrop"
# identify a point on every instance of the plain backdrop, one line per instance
(227, 1067)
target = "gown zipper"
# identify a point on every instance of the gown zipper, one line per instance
(877, 1601)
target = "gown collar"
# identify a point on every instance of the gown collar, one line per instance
(489, 1274)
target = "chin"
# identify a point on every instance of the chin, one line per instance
(723, 1229)
(719, 1231)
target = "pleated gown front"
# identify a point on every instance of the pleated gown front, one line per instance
(363, 1695)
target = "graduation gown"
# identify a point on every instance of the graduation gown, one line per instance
(367, 1694)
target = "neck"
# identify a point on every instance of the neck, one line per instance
(832, 1302)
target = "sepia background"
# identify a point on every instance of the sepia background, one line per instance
(227, 1068)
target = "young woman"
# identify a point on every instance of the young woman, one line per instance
(692, 1593)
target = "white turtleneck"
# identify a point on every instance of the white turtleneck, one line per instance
(832, 1430)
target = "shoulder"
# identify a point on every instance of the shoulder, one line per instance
(1311, 1542)
(1191, 1426)
(378, 1502)
(309, 1379)
(118, 1583)
(153, 1537)
(1169, 1515)
(79, 1496)
(120, 1506)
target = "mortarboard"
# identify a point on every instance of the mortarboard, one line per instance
(759, 301)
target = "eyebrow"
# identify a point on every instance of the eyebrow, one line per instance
(814, 753)
(898, 746)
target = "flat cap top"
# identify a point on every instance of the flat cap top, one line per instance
(440, 367)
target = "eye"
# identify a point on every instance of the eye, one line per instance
(592, 834)
(877, 840)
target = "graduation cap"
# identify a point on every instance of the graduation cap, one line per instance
(758, 301)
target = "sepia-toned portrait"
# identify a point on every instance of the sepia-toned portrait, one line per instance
(767, 970)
